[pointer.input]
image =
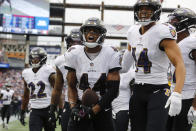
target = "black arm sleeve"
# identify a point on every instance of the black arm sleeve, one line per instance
(111, 93)
(69, 68)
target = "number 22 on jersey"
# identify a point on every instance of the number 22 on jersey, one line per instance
(40, 93)
(143, 60)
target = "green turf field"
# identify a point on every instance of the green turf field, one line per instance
(16, 126)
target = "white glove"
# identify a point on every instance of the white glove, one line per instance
(175, 102)
(191, 116)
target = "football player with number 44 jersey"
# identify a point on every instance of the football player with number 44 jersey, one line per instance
(151, 44)
(96, 67)
(94, 70)
(38, 82)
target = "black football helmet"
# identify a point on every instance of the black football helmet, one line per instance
(154, 4)
(41, 54)
(97, 24)
(75, 36)
(182, 19)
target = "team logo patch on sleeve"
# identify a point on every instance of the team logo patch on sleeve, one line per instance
(173, 32)
(71, 48)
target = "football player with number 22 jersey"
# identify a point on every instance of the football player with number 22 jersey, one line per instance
(39, 81)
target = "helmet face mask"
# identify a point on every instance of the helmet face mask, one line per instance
(74, 38)
(37, 57)
(182, 19)
(93, 32)
(35, 61)
(147, 11)
(145, 14)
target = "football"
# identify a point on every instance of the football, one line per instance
(89, 98)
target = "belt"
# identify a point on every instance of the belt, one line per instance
(150, 84)
(143, 84)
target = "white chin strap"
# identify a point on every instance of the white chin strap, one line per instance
(144, 23)
(191, 30)
(36, 65)
(91, 44)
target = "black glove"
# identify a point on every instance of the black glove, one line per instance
(52, 118)
(77, 113)
(59, 116)
(89, 114)
(22, 117)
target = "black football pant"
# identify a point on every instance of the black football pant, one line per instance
(65, 116)
(147, 107)
(101, 122)
(39, 119)
(121, 121)
(180, 122)
(5, 112)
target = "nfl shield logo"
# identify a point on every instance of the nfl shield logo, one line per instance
(91, 64)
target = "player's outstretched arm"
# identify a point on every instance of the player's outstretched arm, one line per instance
(25, 102)
(25, 97)
(173, 52)
(57, 81)
(72, 90)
